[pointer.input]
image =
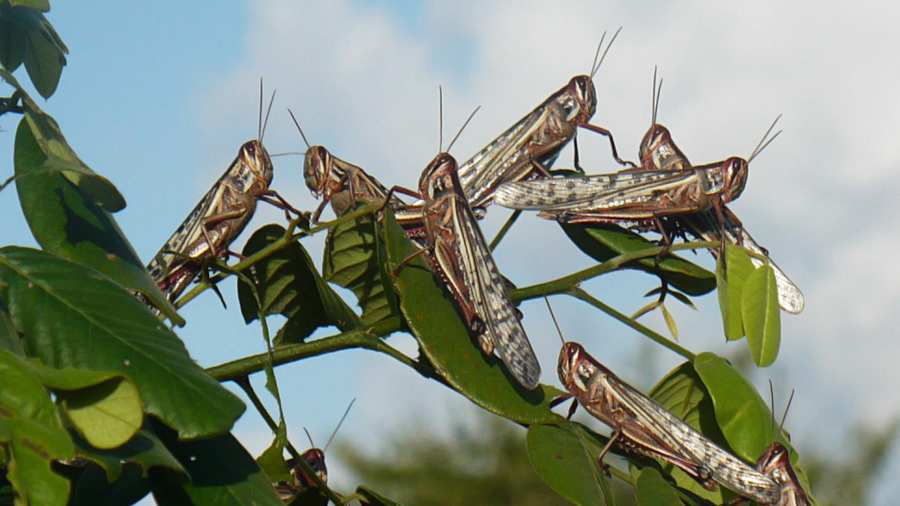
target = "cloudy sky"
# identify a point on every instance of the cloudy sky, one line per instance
(159, 96)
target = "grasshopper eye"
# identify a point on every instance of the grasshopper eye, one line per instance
(250, 148)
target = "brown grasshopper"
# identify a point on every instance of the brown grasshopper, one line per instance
(219, 217)
(643, 427)
(315, 459)
(775, 463)
(659, 152)
(460, 258)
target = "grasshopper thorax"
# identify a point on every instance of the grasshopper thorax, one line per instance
(315, 458)
(775, 463)
(575, 368)
(256, 164)
(578, 99)
(439, 177)
(734, 171)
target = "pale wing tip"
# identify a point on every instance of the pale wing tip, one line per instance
(508, 195)
(792, 302)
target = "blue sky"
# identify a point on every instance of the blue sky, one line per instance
(158, 96)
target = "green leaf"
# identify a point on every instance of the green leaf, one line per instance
(39, 45)
(91, 487)
(222, 473)
(602, 242)
(72, 316)
(107, 415)
(40, 5)
(444, 338)
(732, 271)
(369, 497)
(741, 413)
(272, 460)
(351, 259)
(682, 393)
(289, 284)
(33, 434)
(71, 226)
(12, 43)
(670, 321)
(652, 489)
(762, 315)
(144, 449)
(9, 338)
(565, 457)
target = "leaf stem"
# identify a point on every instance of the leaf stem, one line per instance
(504, 229)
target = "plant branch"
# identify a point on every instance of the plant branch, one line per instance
(582, 295)
(570, 281)
(244, 383)
(504, 229)
(288, 238)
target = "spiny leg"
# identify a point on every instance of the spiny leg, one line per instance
(612, 143)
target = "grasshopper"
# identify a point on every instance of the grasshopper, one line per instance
(775, 462)
(461, 259)
(219, 217)
(315, 459)
(643, 427)
(659, 152)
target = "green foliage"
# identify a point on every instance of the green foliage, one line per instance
(565, 457)
(26, 35)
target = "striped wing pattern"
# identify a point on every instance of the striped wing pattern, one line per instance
(692, 446)
(602, 191)
(485, 288)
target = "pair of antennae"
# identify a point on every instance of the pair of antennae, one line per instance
(595, 66)
(654, 96)
(261, 125)
(334, 432)
(441, 122)
(763, 142)
(786, 408)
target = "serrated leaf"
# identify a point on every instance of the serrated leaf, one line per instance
(369, 497)
(289, 284)
(351, 259)
(72, 316)
(741, 413)
(222, 473)
(565, 457)
(445, 340)
(652, 489)
(603, 242)
(762, 315)
(682, 393)
(732, 270)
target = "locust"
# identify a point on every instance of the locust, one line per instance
(659, 152)
(775, 462)
(315, 459)
(461, 259)
(528, 148)
(643, 427)
(219, 217)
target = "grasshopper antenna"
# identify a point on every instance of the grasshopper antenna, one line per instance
(555, 323)
(597, 53)
(463, 127)
(763, 143)
(786, 408)
(259, 120)
(440, 119)
(599, 63)
(333, 433)
(265, 122)
(297, 124)
(655, 94)
(772, 400)
(311, 444)
(288, 153)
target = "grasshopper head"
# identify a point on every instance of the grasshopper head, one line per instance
(439, 177)
(317, 169)
(579, 100)
(775, 463)
(254, 157)
(735, 172)
(575, 368)
(655, 137)
(315, 458)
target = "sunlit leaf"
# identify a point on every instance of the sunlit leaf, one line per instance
(670, 321)
(289, 284)
(741, 413)
(732, 270)
(445, 340)
(97, 325)
(107, 415)
(762, 315)
(40, 5)
(602, 242)
(565, 457)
